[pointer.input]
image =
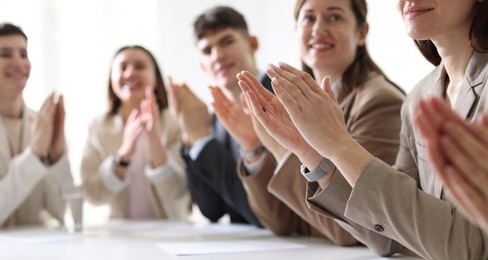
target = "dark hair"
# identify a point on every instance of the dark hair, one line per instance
(10, 29)
(357, 73)
(159, 89)
(218, 18)
(478, 35)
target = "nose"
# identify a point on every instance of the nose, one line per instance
(217, 53)
(128, 72)
(319, 28)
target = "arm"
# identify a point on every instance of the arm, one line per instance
(100, 181)
(58, 174)
(169, 180)
(218, 169)
(20, 175)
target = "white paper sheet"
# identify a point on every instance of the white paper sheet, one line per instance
(188, 230)
(228, 246)
(36, 236)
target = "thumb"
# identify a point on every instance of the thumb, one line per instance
(327, 87)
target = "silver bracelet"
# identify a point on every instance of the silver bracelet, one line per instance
(250, 154)
(320, 172)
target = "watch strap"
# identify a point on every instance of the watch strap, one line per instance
(318, 173)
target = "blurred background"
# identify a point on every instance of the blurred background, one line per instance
(71, 44)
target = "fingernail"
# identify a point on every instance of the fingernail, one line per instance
(282, 65)
(271, 69)
(275, 81)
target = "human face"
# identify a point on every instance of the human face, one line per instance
(225, 53)
(328, 35)
(14, 64)
(434, 19)
(132, 72)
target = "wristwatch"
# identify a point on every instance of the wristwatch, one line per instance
(120, 162)
(320, 172)
(250, 154)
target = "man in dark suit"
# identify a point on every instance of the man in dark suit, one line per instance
(210, 153)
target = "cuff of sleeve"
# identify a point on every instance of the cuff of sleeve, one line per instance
(254, 167)
(283, 161)
(61, 170)
(198, 146)
(109, 179)
(38, 168)
(163, 172)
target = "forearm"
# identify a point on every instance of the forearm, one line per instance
(22, 174)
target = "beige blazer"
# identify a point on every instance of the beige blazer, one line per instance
(277, 194)
(30, 192)
(409, 205)
(170, 198)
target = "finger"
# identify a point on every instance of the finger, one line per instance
(327, 87)
(244, 103)
(258, 91)
(299, 77)
(430, 113)
(480, 128)
(464, 148)
(255, 85)
(220, 98)
(61, 111)
(441, 109)
(424, 123)
(483, 119)
(294, 87)
(249, 81)
(133, 115)
(468, 197)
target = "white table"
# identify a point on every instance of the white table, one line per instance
(137, 241)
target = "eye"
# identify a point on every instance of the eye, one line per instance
(334, 18)
(206, 51)
(308, 19)
(6, 54)
(227, 41)
(24, 54)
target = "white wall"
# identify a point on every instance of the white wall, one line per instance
(71, 44)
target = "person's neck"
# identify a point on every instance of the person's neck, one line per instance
(319, 74)
(11, 106)
(126, 108)
(455, 51)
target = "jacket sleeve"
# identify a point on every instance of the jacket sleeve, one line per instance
(217, 168)
(57, 175)
(376, 127)
(22, 173)
(100, 183)
(172, 192)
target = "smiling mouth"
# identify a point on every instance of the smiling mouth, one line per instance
(412, 13)
(321, 46)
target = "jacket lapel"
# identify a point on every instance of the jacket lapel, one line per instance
(472, 86)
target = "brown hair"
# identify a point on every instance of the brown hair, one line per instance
(478, 35)
(357, 73)
(218, 18)
(159, 90)
(10, 29)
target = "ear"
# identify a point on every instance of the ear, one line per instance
(363, 32)
(253, 41)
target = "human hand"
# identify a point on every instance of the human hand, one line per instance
(235, 121)
(274, 118)
(150, 114)
(42, 129)
(58, 143)
(454, 147)
(314, 111)
(190, 112)
(274, 147)
(132, 130)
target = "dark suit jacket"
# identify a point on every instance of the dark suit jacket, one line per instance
(408, 205)
(212, 177)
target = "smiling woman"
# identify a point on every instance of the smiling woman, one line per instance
(131, 159)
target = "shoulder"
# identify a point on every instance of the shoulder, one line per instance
(378, 90)
(104, 121)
